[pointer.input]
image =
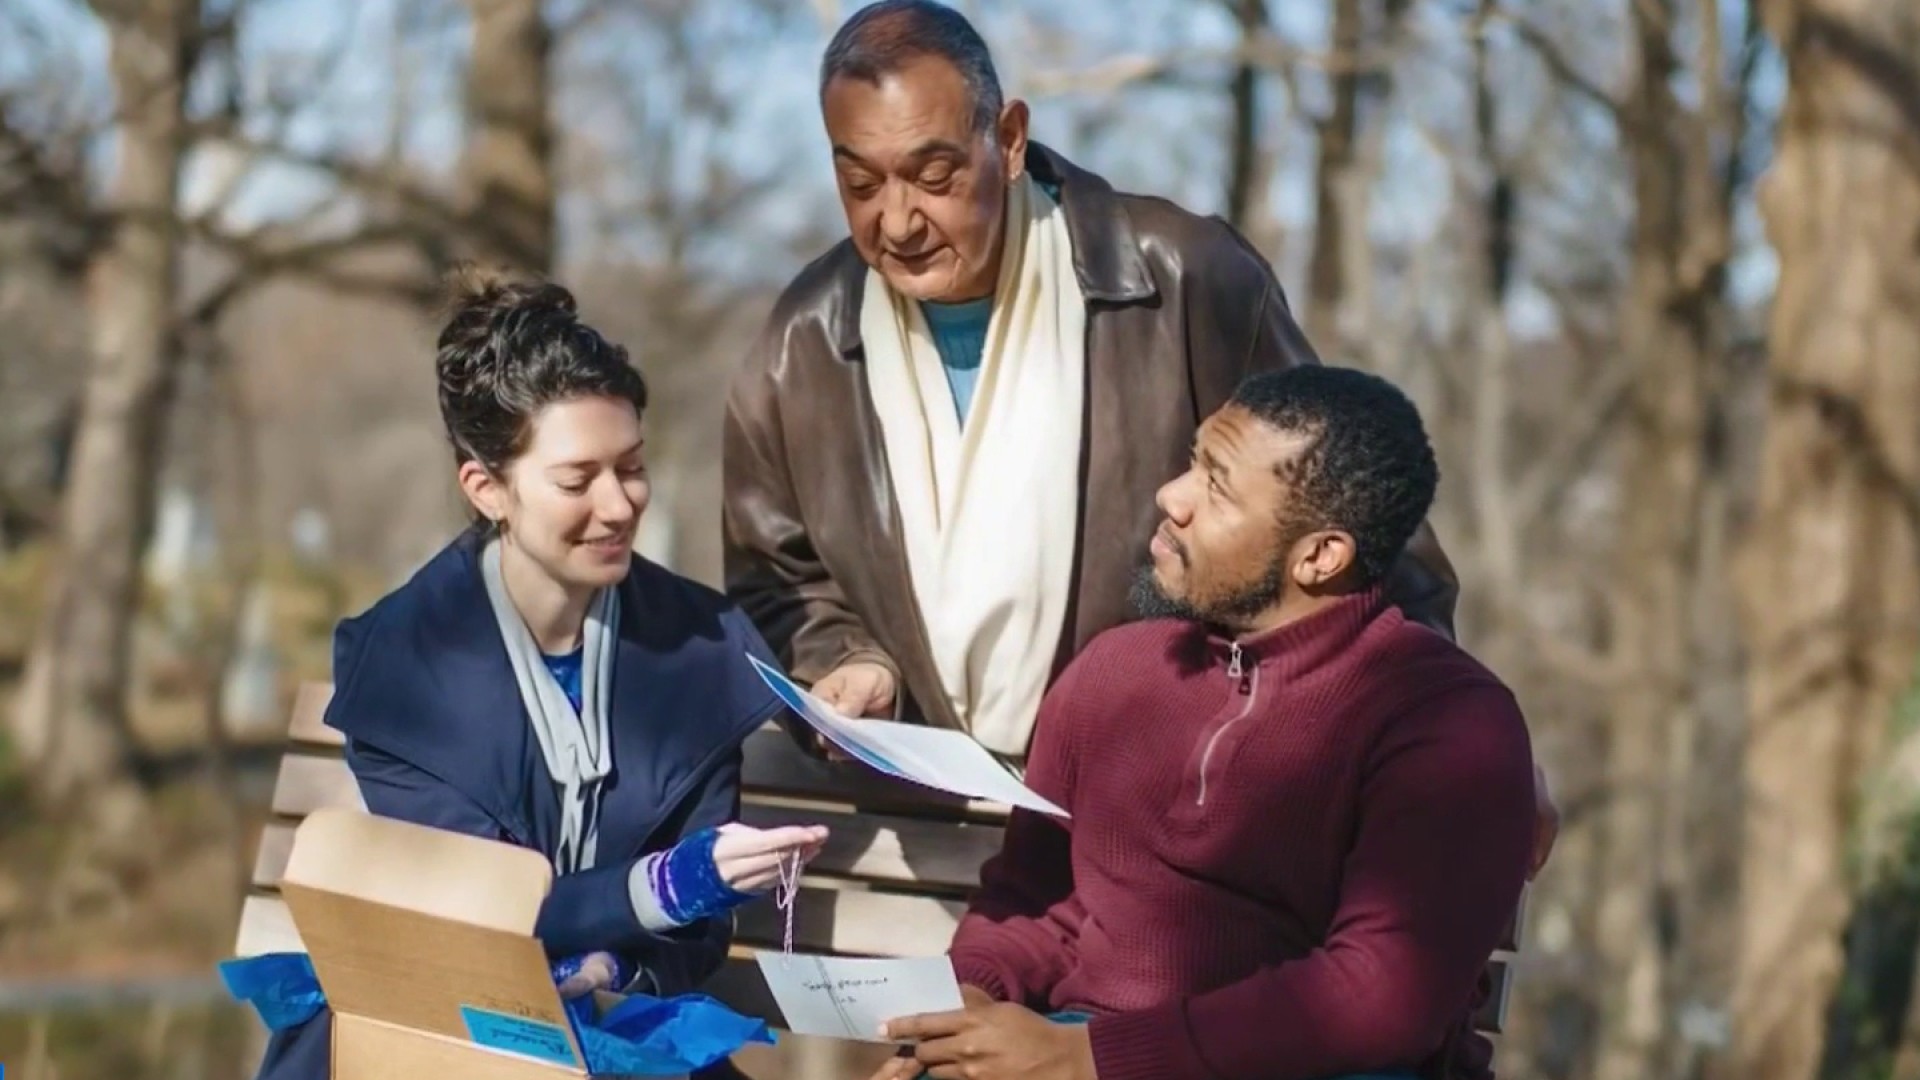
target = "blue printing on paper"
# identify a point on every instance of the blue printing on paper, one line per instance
(519, 1035)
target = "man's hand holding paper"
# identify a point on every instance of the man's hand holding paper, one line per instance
(935, 757)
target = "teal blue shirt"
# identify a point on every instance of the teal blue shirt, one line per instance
(960, 333)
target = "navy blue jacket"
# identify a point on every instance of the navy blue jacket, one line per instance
(436, 734)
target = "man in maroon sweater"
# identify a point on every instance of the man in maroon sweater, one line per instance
(1300, 822)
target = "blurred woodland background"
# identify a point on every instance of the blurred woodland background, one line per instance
(1651, 268)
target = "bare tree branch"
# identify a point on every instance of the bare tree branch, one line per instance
(1559, 65)
(1579, 439)
(1266, 51)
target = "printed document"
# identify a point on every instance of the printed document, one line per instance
(936, 757)
(850, 997)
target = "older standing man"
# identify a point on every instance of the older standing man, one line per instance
(941, 454)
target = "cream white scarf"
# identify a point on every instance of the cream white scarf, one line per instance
(577, 746)
(991, 511)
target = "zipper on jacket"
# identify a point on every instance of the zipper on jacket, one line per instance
(1249, 686)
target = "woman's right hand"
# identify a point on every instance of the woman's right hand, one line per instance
(749, 859)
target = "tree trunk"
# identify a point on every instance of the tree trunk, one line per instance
(1831, 581)
(506, 173)
(71, 727)
(1496, 529)
(1333, 181)
(1672, 332)
(1246, 171)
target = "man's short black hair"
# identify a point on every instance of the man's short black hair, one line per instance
(884, 37)
(1369, 470)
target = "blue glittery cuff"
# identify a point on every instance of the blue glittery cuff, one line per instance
(688, 884)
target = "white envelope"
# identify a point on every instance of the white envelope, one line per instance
(846, 997)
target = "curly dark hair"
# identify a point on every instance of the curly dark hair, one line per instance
(1369, 471)
(511, 347)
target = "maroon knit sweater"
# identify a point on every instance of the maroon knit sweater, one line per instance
(1288, 858)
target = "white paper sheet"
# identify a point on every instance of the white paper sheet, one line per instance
(850, 997)
(937, 757)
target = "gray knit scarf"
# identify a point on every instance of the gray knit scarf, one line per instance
(577, 746)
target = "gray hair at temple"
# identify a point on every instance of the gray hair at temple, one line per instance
(884, 37)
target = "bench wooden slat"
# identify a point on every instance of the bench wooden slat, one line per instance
(270, 857)
(309, 724)
(833, 921)
(868, 847)
(1491, 1017)
(851, 922)
(774, 767)
(308, 783)
(1516, 926)
(266, 926)
(740, 985)
(890, 850)
(875, 847)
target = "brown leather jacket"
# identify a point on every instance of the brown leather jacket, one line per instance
(1180, 308)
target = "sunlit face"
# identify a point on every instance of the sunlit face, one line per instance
(572, 500)
(1233, 542)
(925, 193)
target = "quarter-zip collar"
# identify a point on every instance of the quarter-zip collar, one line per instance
(1281, 660)
(1299, 648)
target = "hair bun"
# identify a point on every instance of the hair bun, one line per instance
(472, 287)
(510, 346)
(479, 297)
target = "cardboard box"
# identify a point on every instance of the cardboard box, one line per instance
(422, 940)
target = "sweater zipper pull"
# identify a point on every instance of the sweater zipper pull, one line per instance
(1237, 669)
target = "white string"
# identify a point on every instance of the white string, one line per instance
(785, 897)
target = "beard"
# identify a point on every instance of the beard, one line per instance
(1232, 608)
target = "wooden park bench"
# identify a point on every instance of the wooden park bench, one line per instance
(892, 881)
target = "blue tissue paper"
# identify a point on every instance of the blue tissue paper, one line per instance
(649, 1036)
(281, 987)
(642, 1036)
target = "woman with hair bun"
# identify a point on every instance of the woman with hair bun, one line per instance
(538, 683)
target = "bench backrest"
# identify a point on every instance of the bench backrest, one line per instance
(892, 881)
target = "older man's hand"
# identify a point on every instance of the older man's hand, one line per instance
(990, 1042)
(860, 688)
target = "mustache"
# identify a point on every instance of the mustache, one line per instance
(1173, 542)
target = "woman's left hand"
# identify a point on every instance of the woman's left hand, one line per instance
(596, 973)
(749, 859)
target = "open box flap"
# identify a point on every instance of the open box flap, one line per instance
(428, 929)
(432, 871)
